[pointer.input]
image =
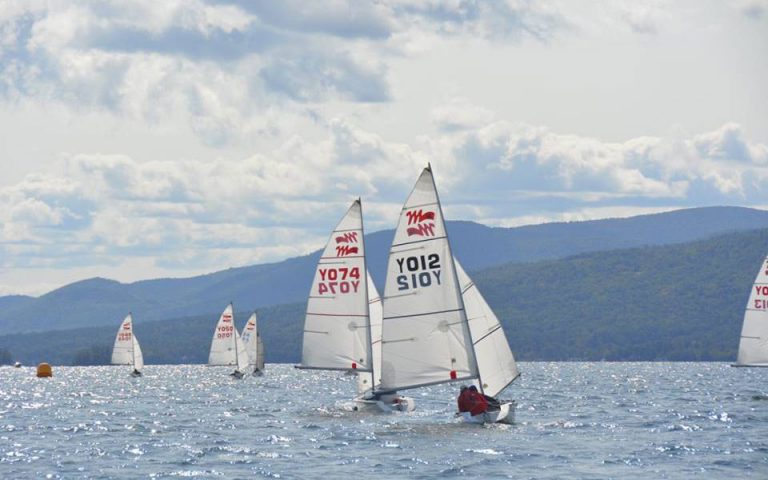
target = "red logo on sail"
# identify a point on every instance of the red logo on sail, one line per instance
(349, 237)
(423, 223)
(344, 250)
(127, 326)
(226, 317)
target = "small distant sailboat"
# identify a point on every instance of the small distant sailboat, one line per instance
(227, 348)
(436, 326)
(343, 306)
(753, 345)
(253, 345)
(126, 350)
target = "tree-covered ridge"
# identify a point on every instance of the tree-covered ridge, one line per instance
(97, 301)
(675, 302)
(680, 302)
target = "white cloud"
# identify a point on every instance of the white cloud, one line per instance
(193, 214)
(185, 136)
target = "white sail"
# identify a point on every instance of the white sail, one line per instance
(365, 380)
(336, 333)
(138, 358)
(425, 336)
(753, 345)
(495, 363)
(251, 340)
(226, 346)
(259, 353)
(122, 351)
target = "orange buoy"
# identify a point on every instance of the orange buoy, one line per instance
(44, 370)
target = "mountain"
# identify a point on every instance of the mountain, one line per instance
(672, 302)
(12, 301)
(100, 301)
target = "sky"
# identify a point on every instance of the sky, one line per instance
(149, 139)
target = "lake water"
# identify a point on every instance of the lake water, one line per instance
(574, 420)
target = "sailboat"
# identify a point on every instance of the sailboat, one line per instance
(126, 350)
(496, 366)
(753, 345)
(337, 326)
(427, 331)
(253, 345)
(227, 348)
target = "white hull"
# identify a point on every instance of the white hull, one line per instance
(505, 414)
(386, 404)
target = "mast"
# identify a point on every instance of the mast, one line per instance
(367, 297)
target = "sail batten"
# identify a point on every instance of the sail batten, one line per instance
(753, 342)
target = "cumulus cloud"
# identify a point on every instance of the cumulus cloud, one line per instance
(261, 207)
(220, 63)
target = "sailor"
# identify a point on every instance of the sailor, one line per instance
(477, 402)
(463, 400)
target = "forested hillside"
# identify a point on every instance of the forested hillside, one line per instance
(676, 302)
(100, 301)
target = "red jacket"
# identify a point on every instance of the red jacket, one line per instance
(472, 402)
(479, 403)
(464, 401)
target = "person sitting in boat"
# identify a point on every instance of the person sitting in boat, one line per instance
(472, 401)
(463, 400)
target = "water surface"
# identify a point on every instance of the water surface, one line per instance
(574, 420)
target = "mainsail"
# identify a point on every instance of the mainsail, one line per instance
(253, 344)
(226, 346)
(336, 327)
(495, 363)
(126, 350)
(753, 346)
(425, 335)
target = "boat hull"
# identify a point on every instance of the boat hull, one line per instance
(386, 404)
(505, 414)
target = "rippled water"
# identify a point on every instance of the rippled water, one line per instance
(575, 420)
